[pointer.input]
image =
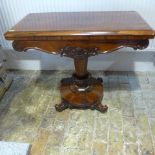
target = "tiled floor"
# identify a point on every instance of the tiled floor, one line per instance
(27, 114)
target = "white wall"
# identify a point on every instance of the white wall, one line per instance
(11, 11)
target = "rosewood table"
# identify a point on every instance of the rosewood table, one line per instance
(79, 35)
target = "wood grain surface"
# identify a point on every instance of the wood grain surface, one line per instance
(114, 24)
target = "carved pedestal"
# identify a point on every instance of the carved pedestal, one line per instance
(81, 91)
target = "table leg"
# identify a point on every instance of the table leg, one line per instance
(81, 91)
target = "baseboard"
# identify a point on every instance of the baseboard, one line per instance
(123, 60)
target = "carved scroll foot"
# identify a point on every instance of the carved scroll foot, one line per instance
(101, 108)
(62, 106)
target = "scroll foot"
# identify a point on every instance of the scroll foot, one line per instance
(101, 108)
(60, 107)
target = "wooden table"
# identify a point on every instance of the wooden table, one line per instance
(79, 35)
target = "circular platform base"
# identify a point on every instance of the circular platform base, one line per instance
(86, 97)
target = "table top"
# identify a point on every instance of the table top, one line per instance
(114, 24)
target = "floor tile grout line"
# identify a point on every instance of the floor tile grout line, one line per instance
(108, 125)
(94, 129)
(95, 113)
(65, 131)
(149, 120)
(137, 143)
(122, 122)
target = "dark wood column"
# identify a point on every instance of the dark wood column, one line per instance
(81, 67)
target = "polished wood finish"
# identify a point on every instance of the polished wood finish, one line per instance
(79, 35)
(44, 26)
(103, 46)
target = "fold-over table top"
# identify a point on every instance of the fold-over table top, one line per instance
(111, 24)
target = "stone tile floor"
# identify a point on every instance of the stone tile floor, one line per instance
(27, 114)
